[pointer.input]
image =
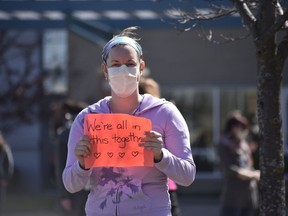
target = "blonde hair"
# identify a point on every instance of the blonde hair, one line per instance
(129, 32)
(127, 36)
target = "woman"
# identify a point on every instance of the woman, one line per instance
(239, 192)
(131, 190)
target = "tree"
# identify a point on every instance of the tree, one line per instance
(266, 21)
(20, 80)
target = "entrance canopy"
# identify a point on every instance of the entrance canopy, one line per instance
(42, 14)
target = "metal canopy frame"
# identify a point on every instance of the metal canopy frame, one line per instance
(96, 20)
(37, 14)
(41, 14)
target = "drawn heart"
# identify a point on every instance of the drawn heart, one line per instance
(97, 155)
(135, 153)
(121, 154)
(110, 154)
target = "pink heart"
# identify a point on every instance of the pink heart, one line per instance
(135, 153)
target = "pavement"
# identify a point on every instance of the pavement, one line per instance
(199, 205)
(31, 205)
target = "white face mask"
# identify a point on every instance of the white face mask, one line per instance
(123, 80)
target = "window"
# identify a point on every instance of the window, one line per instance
(205, 111)
(55, 61)
(196, 106)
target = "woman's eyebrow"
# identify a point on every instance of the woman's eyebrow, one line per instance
(128, 61)
(114, 60)
(131, 61)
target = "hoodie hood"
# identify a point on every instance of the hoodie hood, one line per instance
(148, 102)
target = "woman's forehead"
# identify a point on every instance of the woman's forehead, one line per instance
(122, 51)
(118, 41)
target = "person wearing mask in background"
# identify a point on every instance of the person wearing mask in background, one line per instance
(146, 193)
(70, 204)
(148, 85)
(6, 170)
(239, 191)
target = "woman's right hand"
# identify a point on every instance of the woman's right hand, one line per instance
(82, 150)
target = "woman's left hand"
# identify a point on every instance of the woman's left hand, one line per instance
(153, 142)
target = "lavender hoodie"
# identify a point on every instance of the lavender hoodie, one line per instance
(134, 190)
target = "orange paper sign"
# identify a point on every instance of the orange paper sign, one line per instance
(114, 139)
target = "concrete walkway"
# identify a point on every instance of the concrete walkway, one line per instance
(46, 206)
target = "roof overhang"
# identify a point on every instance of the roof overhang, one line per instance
(43, 14)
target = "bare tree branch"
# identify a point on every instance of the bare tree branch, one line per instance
(248, 18)
(196, 15)
(280, 23)
(224, 38)
(21, 88)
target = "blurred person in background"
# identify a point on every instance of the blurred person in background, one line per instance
(70, 204)
(6, 170)
(239, 191)
(148, 85)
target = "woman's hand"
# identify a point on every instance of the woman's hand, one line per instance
(82, 150)
(246, 174)
(153, 142)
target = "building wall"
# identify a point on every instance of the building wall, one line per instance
(173, 59)
(185, 59)
(84, 67)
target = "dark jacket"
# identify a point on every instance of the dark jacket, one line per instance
(235, 155)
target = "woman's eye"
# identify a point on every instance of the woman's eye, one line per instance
(130, 65)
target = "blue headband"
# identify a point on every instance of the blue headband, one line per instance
(121, 40)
